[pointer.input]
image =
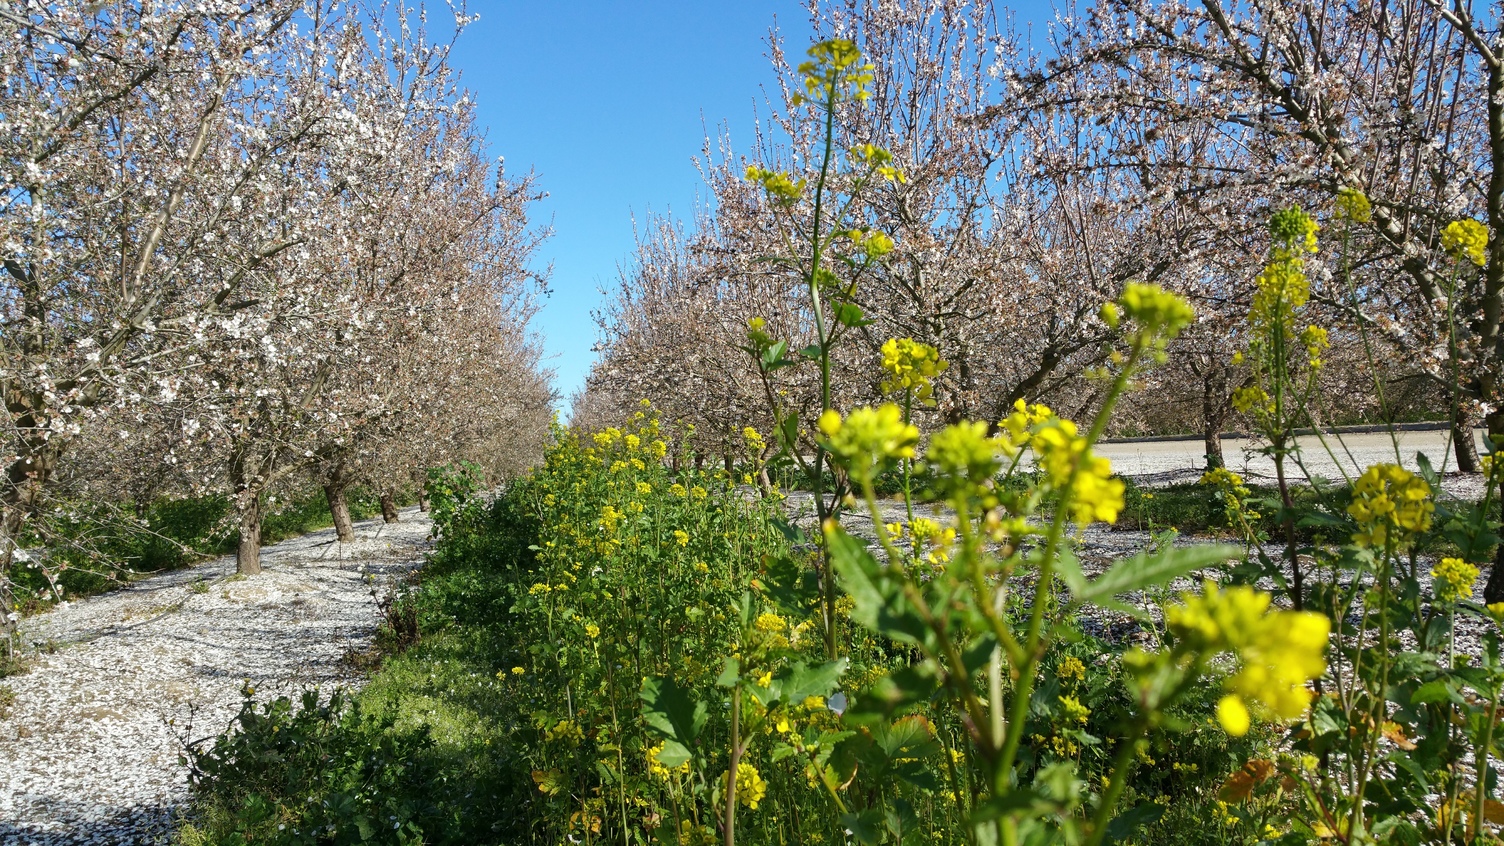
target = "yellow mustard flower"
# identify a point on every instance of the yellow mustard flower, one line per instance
(681, 537)
(910, 366)
(754, 439)
(750, 788)
(1454, 579)
(868, 438)
(964, 457)
(1158, 314)
(1073, 712)
(769, 622)
(1466, 239)
(1353, 205)
(1019, 425)
(1294, 230)
(1391, 505)
(1279, 652)
(1062, 454)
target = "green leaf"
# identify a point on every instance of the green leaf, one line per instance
(799, 682)
(731, 674)
(1434, 691)
(849, 314)
(866, 827)
(772, 357)
(672, 712)
(791, 586)
(899, 689)
(1427, 472)
(811, 352)
(876, 590)
(1138, 816)
(1151, 569)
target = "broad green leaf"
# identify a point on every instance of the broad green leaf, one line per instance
(1434, 691)
(798, 683)
(672, 712)
(811, 352)
(792, 587)
(876, 590)
(772, 357)
(849, 314)
(866, 827)
(1136, 817)
(1152, 569)
(899, 689)
(731, 674)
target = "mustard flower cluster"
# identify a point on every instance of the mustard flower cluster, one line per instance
(1279, 652)
(1281, 289)
(931, 536)
(911, 366)
(750, 788)
(1019, 425)
(1316, 342)
(835, 70)
(868, 438)
(779, 186)
(754, 440)
(964, 457)
(1234, 493)
(1070, 670)
(565, 731)
(1353, 205)
(1466, 239)
(1158, 315)
(1062, 453)
(1293, 230)
(1391, 505)
(879, 161)
(1454, 579)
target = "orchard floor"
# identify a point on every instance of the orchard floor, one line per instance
(1172, 461)
(90, 751)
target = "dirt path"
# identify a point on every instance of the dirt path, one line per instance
(1155, 462)
(89, 753)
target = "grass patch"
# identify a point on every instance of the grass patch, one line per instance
(443, 702)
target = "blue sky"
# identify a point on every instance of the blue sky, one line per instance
(610, 103)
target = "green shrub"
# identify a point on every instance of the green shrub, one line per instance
(315, 772)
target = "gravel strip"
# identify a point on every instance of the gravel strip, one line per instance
(90, 751)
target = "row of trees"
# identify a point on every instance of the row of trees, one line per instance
(1152, 146)
(245, 242)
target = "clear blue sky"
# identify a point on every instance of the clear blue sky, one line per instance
(609, 102)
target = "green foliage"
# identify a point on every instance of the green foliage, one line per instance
(316, 773)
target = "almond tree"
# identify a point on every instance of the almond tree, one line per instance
(134, 133)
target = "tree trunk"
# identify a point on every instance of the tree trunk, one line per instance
(730, 462)
(340, 510)
(423, 499)
(1494, 590)
(248, 553)
(1214, 457)
(389, 508)
(1213, 415)
(1464, 447)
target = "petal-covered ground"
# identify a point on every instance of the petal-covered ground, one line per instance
(91, 750)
